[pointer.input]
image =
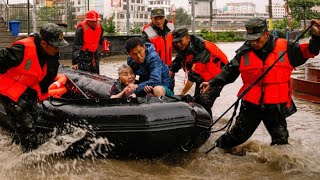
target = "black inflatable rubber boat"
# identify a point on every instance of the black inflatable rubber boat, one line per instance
(137, 126)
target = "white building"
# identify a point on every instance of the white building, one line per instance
(278, 10)
(242, 8)
(164, 4)
(202, 8)
(139, 15)
(233, 16)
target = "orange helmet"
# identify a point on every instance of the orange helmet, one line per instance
(92, 15)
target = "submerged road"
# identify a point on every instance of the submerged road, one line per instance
(255, 159)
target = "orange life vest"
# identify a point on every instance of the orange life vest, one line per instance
(275, 87)
(210, 69)
(91, 37)
(28, 74)
(163, 45)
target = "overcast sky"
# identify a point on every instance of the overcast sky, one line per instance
(260, 4)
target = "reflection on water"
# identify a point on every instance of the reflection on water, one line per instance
(255, 159)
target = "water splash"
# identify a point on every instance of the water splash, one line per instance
(47, 157)
(293, 158)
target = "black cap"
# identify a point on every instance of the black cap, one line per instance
(255, 27)
(157, 12)
(53, 34)
(179, 33)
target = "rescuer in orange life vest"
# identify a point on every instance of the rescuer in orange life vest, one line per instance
(200, 59)
(88, 36)
(270, 99)
(159, 33)
(27, 68)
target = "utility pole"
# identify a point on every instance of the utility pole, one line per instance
(128, 18)
(28, 25)
(211, 13)
(88, 6)
(270, 16)
(193, 16)
(34, 17)
(66, 14)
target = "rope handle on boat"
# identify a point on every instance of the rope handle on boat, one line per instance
(77, 87)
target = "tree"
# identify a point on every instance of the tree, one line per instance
(301, 10)
(48, 14)
(281, 24)
(110, 27)
(181, 18)
(71, 17)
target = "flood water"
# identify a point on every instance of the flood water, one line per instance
(255, 159)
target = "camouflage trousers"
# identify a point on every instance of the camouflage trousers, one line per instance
(21, 117)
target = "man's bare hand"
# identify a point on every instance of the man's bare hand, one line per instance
(205, 87)
(75, 67)
(148, 89)
(316, 27)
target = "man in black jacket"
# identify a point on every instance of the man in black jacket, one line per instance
(27, 68)
(270, 99)
(200, 59)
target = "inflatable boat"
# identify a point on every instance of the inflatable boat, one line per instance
(134, 126)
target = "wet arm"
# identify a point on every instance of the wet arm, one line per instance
(229, 73)
(176, 64)
(11, 57)
(144, 37)
(155, 77)
(77, 46)
(101, 36)
(299, 53)
(186, 87)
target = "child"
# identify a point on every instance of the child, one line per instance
(125, 85)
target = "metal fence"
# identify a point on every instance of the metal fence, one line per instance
(44, 12)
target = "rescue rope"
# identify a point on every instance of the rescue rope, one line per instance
(249, 87)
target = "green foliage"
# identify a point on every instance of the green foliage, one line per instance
(301, 9)
(182, 18)
(204, 30)
(71, 17)
(227, 36)
(282, 25)
(135, 30)
(109, 27)
(210, 36)
(48, 14)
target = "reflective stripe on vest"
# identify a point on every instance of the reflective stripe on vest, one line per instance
(91, 37)
(163, 46)
(28, 74)
(275, 86)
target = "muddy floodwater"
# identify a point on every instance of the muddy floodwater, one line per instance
(255, 159)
